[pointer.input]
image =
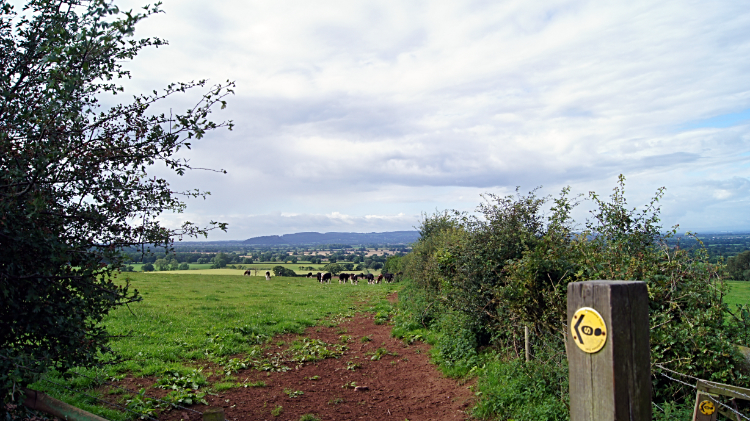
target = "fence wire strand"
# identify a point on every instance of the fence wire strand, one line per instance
(739, 414)
(713, 384)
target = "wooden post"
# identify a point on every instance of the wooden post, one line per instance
(705, 407)
(608, 351)
(528, 345)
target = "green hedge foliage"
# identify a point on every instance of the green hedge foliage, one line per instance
(476, 280)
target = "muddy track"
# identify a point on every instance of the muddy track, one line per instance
(401, 385)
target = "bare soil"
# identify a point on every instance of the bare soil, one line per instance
(402, 385)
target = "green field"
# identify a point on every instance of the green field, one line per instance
(204, 268)
(187, 317)
(739, 293)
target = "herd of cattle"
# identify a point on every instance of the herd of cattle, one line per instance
(354, 279)
(349, 277)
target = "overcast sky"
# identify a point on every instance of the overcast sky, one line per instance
(358, 116)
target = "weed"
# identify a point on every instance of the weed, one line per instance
(366, 339)
(350, 385)
(352, 366)
(307, 349)
(345, 339)
(255, 384)
(277, 410)
(222, 386)
(336, 401)
(379, 353)
(312, 378)
(234, 365)
(381, 317)
(142, 404)
(177, 381)
(293, 393)
(309, 417)
(186, 397)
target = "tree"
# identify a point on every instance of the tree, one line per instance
(738, 267)
(220, 261)
(74, 187)
(282, 271)
(334, 268)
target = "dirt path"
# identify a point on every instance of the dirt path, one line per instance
(399, 387)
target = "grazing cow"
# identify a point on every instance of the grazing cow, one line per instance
(247, 272)
(380, 278)
(318, 276)
(268, 276)
(326, 277)
(309, 274)
(343, 278)
(388, 277)
(370, 278)
(354, 278)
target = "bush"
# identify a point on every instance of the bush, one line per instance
(282, 271)
(456, 347)
(738, 267)
(520, 391)
(334, 268)
(183, 266)
(480, 278)
(148, 267)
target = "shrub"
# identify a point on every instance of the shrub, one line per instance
(477, 279)
(523, 391)
(282, 271)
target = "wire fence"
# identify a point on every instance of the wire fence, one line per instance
(712, 384)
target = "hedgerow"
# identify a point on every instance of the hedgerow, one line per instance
(477, 280)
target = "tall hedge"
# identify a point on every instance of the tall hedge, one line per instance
(508, 266)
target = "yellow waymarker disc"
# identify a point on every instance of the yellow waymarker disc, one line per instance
(588, 330)
(707, 407)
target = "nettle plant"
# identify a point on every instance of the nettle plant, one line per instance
(74, 187)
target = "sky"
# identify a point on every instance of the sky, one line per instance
(359, 116)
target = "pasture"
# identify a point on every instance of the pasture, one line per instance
(205, 268)
(188, 317)
(739, 293)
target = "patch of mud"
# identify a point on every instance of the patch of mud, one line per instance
(401, 385)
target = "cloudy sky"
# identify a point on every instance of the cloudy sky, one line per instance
(359, 115)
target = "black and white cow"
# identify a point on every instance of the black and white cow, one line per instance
(326, 277)
(268, 276)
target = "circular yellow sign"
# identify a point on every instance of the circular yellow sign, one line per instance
(707, 407)
(588, 330)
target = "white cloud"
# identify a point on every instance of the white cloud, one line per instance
(388, 106)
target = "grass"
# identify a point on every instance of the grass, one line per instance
(188, 317)
(739, 293)
(205, 268)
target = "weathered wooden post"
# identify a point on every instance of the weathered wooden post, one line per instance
(527, 344)
(608, 351)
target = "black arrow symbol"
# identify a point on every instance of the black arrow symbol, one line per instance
(580, 339)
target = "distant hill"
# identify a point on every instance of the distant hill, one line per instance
(353, 238)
